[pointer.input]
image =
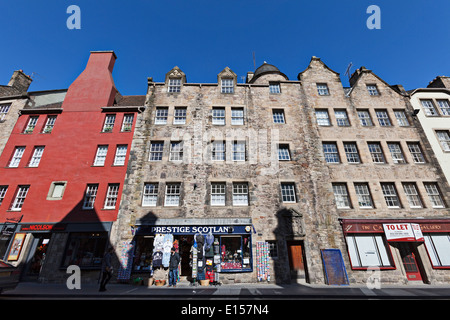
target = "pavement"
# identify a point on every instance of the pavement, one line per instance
(243, 291)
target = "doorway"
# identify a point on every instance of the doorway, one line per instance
(36, 256)
(296, 261)
(411, 261)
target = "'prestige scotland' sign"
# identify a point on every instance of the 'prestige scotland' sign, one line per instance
(192, 229)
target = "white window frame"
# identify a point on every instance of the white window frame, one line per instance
(239, 148)
(100, 156)
(240, 194)
(363, 195)
(416, 152)
(121, 154)
(32, 122)
(90, 196)
(172, 195)
(49, 124)
(390, 195)
(218, 193)
(274, 88)
(351, 152)
(376, 152)
(434, 195)
(36, 157)
(112, 196)
(176, 151)
(284, 153)
(174, 85)
(331, 153)
(373, 89)
(341, 196)
(179, 116)
(17, 157)
(412, 195)
(218, 116)
(237, 116)
(150, 194)
(428, 108)
(438, 248)
(341, 118)
(156, 151)
(322, 89)
(368, 250)
(383, 118)
(364, 118)
(218, 150)
(444, 106)
(444, 139)
(227, 85)
(20, 197)
(108, 126)
(127, 123)
(3, 190)
(396, 152)
(322, 117)
(278, 116)
(4, 109)
(288, 192)
(401, 117)
(161, 115)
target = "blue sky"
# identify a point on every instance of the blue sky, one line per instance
(203, 37)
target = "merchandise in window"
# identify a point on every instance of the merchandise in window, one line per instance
(85, 249)
(235, 253)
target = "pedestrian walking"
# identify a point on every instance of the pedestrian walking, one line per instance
(173, 267)
(107, 269)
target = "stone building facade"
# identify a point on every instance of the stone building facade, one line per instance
(383, 173)
(250, 158)
(13, 97)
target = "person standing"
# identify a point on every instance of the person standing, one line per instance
(173, 267)
(106, 269)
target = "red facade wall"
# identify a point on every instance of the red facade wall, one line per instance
(69, 152)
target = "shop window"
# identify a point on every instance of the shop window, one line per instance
(235, 253)
(85, 249)
(368, 251)
(438, 247)
(143, 254)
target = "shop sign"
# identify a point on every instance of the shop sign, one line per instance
(402, 232)
(42, 227)
(192, 229)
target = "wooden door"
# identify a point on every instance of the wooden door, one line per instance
(295, 253)
(410, 262)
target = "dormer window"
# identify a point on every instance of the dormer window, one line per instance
(227, 86)
(372, 89)
(174, 85)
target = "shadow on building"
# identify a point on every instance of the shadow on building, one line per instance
(81, 238)
(291, 266)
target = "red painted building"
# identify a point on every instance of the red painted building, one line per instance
(62, 173)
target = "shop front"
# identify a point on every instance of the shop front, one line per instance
(204, 245)
(43, 251)
(418, 246)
